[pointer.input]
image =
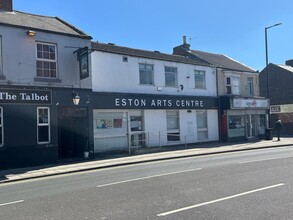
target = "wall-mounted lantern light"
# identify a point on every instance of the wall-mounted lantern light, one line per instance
(76, 99)
(31, 33)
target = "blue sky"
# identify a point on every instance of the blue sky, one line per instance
(231, 27)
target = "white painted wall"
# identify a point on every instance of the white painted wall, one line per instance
(19, 58)
(111, 74)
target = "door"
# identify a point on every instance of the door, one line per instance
(72, 135)
(136, 128)
(251, 126)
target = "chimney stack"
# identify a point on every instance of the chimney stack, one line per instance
(6, 5)
(289, 62)
(184, 39)
(185, 45)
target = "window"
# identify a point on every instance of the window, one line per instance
(202, 125)
(1, 127)
(43, 125)
(199, 79)
(173, 132)
(46, 60)
(233, 85)
(250, 86)
(171, 76)
(146, 74)
(1, 68)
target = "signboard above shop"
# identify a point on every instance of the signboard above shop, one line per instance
(275, 109)
(250, 103)
(24, 96)
(143, 101)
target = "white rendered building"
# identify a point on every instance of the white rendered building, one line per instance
(147, 98)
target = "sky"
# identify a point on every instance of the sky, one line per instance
(235, 28)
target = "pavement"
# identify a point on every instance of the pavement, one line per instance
(139, 155)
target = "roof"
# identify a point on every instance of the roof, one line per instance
(111, 48)
(39, 22)
(286, 67)
(222, 61)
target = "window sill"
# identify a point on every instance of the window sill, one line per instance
(50, 80)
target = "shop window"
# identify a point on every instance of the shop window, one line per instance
(236, 126)
(232, 85)
(1, 68)
(173, 131)
(46, 60)
(199, 79)
(43, 125)
(146, 74)
(171, 76)
(1, 127)
(202, 125)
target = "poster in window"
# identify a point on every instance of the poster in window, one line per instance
(117, 123)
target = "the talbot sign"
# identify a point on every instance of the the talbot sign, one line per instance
(25, 96)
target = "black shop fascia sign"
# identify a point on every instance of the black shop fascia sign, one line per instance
(17, 96)
(143, 101)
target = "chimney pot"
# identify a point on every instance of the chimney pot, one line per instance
(6, 5)
(184, 39)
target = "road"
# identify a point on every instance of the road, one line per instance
(241, 185)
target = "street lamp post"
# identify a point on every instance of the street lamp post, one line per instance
(267, 63)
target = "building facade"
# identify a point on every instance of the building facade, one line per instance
(40, 74)
(242, 113)
(147, 98)
(278, 87)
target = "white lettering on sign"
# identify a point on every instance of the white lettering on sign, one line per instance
(25, 96)
(157, 103)
(33, 97)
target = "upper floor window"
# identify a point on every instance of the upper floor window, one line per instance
(233, 85)
(171, 76)
(146, 74)
(46, 60)
(250, 86)
(200, 79)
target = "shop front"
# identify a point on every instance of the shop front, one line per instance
(123, 120)
(243, 118)
(42, 125)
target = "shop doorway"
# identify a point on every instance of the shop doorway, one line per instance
(251, 126)
(136, 128)
(72, 132)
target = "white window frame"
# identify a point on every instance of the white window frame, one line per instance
(2, 127)
(1, 63)
(43, 124)
(173, 114)
(144, 68)
(199, 74)
(48, 61)
(235, 89)
(199, 128)
(171, 73)
(250, 89)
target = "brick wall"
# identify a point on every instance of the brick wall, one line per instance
(6, 5)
